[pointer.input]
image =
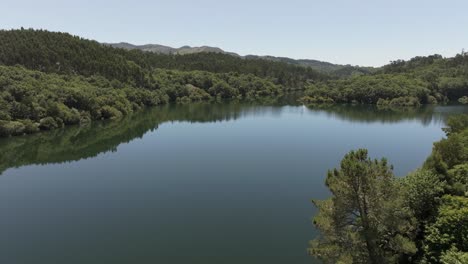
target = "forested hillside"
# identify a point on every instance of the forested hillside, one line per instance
(421, 80)
(33, 100)
(335, 70)
(51, 79)
(55, 52)
(156, 48)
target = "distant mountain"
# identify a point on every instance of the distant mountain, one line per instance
(156, 48)
(321, 66)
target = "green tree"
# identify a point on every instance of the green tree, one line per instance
(456, 124)
(450, 230)
(454, 256)
(423, 189)
(366, 219)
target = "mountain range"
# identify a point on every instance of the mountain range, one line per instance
(322, 66)
(156, 48)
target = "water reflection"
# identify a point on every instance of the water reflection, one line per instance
(371, 114)
(222, 192)
(81, 142)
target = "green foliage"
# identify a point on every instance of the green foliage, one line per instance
(335, 70)
(423, 189)
(399, 101)
(13, 128)
(109, 112)
(456, 124)
(56, 52)
(48, 123)
(70, 99)
(449, 155)
(84, 141)
(313, 100)
(452, 150)
(369, 89)
(459, 179)
(463, 100)
(366, 220)
(436, 196)
(454, 256)
(421, 80)
(450, 230)
(30, 127)
(449, 162)
(70, 80)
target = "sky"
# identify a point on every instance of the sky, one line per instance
(366, 33)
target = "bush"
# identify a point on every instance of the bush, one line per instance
(85, 118)
(456, 124)
(382, 102)
(450, 230)
(48, 123)
(197, 94)
(29, 126)
(431, 99)
(423, 190)
(453, 256)
(405, 101)
(459, 179)
(109, 112)
(11, 128)
(4, 115)
(317, 100)
(74, 99)
(463, 100)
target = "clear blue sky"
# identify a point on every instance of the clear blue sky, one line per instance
(368, 32)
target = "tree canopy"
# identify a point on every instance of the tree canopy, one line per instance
(421, 80)
(373, 217)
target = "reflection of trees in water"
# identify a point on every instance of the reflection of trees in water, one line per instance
(372, 114)
(75, 143)
(79, 142)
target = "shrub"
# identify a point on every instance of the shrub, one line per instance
(11, 128)
(459, 178)
(109, 112)
(405, 101)
(449, 231)
(29, 126)
(85, 117)
(4, 115)
(48, 123)
(431, 99)
(463, 100)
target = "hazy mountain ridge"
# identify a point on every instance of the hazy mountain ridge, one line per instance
(156, 48)
(322, 66)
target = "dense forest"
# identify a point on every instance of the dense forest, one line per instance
(53, 79)
(55, 52)
(374, 217)
(31, 100)
(334, 70)
(421, 80)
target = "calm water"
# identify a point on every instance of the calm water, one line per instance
(202, 183)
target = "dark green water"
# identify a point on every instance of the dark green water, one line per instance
(201, 183)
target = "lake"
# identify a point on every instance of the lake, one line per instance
(226, 182)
